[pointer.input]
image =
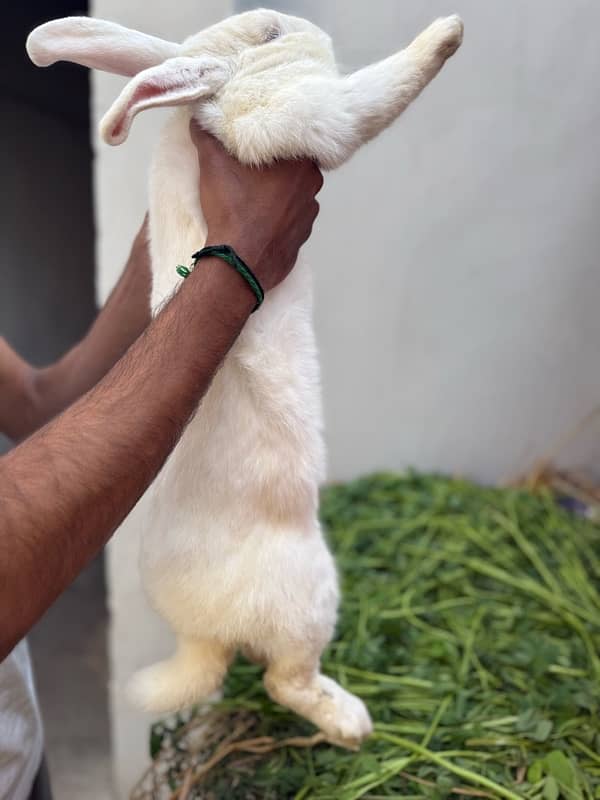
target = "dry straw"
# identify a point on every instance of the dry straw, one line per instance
(471, 627)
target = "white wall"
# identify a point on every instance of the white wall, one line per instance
(456, 258)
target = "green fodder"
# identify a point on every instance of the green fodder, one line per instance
(470, 625)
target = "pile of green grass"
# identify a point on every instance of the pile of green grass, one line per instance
(470, 625)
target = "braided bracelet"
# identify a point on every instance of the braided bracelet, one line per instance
(227, 254)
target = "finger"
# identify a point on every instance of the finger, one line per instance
(315, 208)
(305, 231)
(319, 180)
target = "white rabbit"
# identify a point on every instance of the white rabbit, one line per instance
(233, 554)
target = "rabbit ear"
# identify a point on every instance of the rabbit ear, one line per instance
(177, 82)
(97, 44)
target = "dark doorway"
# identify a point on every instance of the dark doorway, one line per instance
(46, 305)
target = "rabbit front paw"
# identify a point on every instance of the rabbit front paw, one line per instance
(438, 42)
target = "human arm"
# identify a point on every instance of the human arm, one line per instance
(64, 490)
(29, 397)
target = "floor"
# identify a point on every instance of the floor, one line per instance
(70, 660)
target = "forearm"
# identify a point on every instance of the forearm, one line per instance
(65, 490)
(123, 318)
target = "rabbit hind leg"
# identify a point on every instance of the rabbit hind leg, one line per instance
(294, 680)
(194, 673)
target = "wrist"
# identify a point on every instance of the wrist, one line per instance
(17, 394)
(251, 249)
(224, 292)
(39, 389)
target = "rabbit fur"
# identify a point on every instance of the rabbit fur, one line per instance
(233, 556)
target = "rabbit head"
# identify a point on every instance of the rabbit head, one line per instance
(265, 83)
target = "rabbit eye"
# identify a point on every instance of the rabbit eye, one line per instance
(272, 33)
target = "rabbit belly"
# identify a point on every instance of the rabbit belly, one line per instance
(233, 547)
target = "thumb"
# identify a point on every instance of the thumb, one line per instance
(207, 146)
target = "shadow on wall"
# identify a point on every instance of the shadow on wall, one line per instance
(46, 224)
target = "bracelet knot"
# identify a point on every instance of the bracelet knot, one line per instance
(227, 254)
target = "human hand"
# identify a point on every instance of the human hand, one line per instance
(266, 214)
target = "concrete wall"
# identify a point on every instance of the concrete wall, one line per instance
(456, 258)
(137, 636)
(46, 237)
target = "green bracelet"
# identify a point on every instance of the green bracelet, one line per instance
(227, 254)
